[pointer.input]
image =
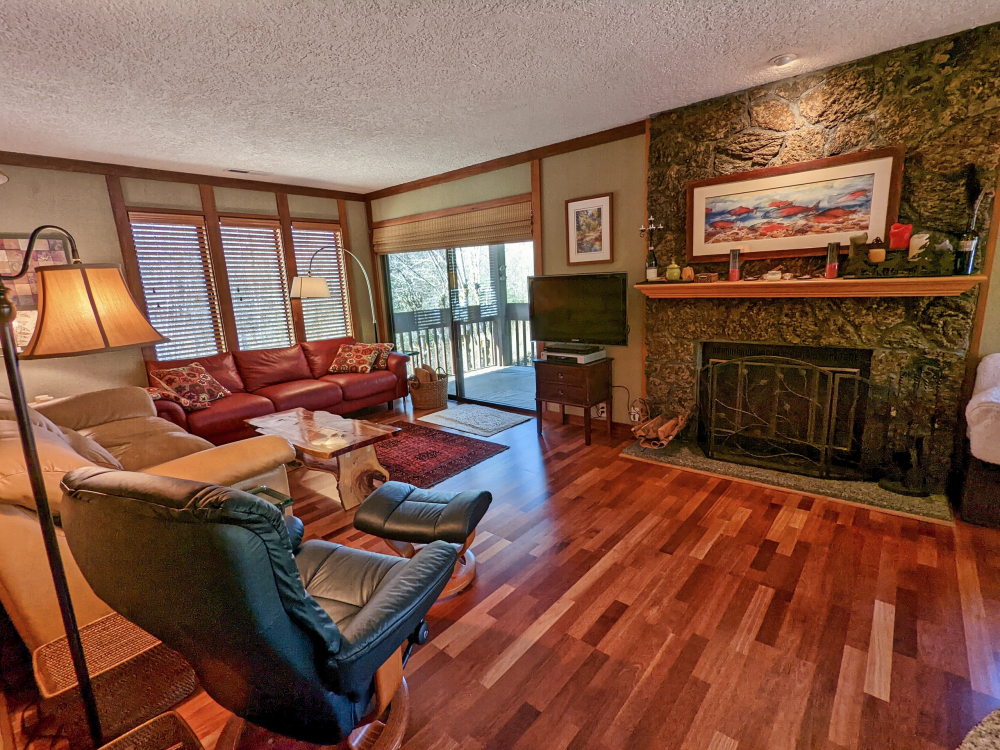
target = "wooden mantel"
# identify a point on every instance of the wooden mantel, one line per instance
(915, 286)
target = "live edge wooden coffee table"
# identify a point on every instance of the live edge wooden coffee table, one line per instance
(338, 454)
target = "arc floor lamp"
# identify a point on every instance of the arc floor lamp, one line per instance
(82, 309)
(309, 286)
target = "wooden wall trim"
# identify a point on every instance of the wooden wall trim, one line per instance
(536, 226)
(143, 173)
(120, 170)
(454, 211)
(974, 356)
(291, 267)
(989, 263)
(352, 292)
(644, 352)
(126, 242)
(536, 215)
(381, 301)
(563, 147)
(130, 261)
(213, 233)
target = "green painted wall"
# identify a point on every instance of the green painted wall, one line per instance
(484, 187)
(79, 203)
(160, 194)
(617, 168)
(311, 207)
(356, 226)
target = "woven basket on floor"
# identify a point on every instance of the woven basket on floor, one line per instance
(135, 678)
(430, 395)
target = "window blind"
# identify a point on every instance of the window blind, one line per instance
(486, 226)
(258, 283)
(176, 274)
(327, 317)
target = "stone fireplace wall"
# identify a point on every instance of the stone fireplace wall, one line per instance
(938, 99)
(899, 330)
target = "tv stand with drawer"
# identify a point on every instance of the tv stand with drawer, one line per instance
(573, 385)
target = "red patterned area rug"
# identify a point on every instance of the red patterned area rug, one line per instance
(423, 456)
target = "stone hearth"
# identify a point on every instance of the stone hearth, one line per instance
(901, 332)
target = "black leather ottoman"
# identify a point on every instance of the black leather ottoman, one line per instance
(407, 517)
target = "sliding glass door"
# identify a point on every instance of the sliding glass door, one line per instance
(465, 310)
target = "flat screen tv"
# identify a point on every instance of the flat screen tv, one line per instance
(586, 308)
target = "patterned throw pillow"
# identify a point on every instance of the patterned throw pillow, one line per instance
(355, 358)
(162, 393)
(191, 382)
(382, 363)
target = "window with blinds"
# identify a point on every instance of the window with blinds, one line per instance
(327, 317)
(176, 273)
(258, 284)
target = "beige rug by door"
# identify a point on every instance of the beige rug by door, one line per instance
(474, 419)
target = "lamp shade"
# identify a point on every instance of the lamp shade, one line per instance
(309, 286)
(86, 308)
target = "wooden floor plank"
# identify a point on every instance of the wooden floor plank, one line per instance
(621, 604)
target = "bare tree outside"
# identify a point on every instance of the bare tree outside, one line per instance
(485, 310)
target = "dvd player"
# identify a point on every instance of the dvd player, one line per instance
(573, 355)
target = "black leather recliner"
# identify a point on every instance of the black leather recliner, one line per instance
(287, 635)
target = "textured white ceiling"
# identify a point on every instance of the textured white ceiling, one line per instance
(362, 94)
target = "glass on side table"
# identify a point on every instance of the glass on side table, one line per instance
(283, 501)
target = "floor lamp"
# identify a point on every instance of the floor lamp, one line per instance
(309, 286)
(82, 309)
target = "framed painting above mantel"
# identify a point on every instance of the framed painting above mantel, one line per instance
(796, 209)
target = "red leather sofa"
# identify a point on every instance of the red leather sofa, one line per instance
(270, 380)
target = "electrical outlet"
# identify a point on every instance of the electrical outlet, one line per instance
(599, 412)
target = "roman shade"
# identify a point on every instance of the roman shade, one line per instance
(486, 226)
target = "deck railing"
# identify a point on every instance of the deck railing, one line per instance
(486, 339)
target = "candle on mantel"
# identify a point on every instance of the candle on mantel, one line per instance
(832, 260)
(917, 243)
(899, 236)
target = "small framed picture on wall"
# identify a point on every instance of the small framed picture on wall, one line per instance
(588, 230)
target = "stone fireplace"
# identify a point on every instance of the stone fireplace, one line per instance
(912, 388)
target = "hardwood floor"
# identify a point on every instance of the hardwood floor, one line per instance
(626, 605)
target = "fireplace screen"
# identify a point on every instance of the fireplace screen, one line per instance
(803, 413)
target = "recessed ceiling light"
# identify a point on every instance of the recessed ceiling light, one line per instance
(3, 178)
(782, 60)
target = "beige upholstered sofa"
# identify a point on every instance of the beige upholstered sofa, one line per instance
(117, 428)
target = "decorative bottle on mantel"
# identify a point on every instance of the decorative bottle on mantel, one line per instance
(650, 265)
(965, 255)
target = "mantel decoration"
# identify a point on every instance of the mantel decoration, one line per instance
(588, 230)
(795, 209)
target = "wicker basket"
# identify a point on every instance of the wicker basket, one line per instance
(430, 395)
